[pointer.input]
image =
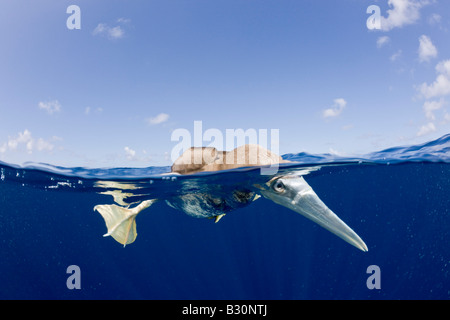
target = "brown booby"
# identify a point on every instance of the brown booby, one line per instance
(288, 190)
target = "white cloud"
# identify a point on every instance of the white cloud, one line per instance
(116, 32)
(41, 145)
(447, 117)
(441, 86)
(426, 129)
(123, 20)
(88, 110)
(99, 29)
(112, 33)
(26, 139)
(426, 49)
(50, 106)
(402, 12)
(443, 67)
(131, 154)
(430, 106)
(381, 41)
(160, 118)
(434, 19)
(338, 107)
(396, 55)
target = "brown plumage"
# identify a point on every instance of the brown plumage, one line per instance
(199, 159)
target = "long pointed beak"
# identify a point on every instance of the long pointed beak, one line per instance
(294, 193)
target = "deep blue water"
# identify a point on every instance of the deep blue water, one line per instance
(397, 200)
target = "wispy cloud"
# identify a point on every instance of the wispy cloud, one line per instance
(50, 106)
(426, 49)
(336, 109)
(434, 19)
(160, 118)
(123, 20)
(130, 153)
(426, 129)
(88, 110)
(111, 32)
(402, 12)
(441, 86)
(447, 117)
(382, 41)
(429, 107)
(25, 139)
(396, 55)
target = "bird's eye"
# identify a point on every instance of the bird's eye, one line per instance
(278, 186)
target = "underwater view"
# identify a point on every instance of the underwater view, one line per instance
(106, 105)
(397, 200)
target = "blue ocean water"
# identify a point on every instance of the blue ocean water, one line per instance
(397, 200)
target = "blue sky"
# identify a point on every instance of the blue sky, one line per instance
(112, 92)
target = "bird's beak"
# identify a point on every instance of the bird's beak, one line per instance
(294, 193)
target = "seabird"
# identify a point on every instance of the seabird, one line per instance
(288, 190)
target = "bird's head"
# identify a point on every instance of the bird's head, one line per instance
(293, 192)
